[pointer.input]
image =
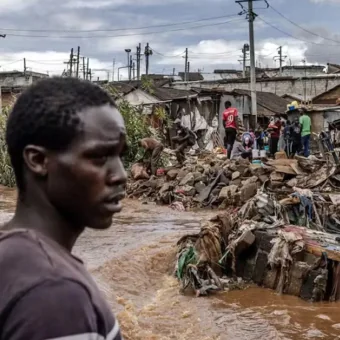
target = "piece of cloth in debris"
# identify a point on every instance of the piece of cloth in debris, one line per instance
(285, 245)
(305, 205)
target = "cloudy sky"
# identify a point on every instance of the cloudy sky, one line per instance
(44, 31)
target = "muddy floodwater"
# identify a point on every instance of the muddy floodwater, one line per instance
(133, 264)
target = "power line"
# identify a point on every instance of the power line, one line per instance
(290, 35)
(302, 28)
(119, 35)
(119, 29)
(167, 56)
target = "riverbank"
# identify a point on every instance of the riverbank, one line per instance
(133, 264)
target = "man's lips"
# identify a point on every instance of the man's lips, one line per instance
(112, 203)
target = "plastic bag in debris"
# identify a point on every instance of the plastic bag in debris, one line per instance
(138, 171)
(285, 245)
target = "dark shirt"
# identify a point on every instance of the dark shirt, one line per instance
(46, 293)
(295, 133)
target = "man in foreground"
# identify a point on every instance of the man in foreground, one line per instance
(65, 138)
(153, 151)
(230, 116)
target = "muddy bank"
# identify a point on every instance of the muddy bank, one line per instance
(133, 263)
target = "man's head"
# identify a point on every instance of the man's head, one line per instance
(303, 111)
(227, 104)
(65, 138)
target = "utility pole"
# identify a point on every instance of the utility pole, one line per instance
(186, 65)
(147, 53)
(130, 68)
(133, 70)
(84, 68)
(113, 69)
(139, 50)
(87, 69)
(280, 58)
(245, 51)
(251, 18)
(71, 62)
(25, 68)
(78, 54)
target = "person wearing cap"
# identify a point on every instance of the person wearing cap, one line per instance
(305, 123)
(239, 150)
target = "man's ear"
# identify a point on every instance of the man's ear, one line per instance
(36, 159)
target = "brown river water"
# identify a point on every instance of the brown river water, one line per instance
(133, 264)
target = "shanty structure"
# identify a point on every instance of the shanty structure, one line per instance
(268, 104)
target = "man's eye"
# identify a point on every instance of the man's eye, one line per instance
(100, 159)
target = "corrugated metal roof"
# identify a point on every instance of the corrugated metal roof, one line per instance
(267, 102)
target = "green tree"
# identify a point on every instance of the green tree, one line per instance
(7, 177)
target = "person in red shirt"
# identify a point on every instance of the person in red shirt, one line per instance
(274, 136)
(230, 115)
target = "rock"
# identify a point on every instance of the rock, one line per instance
(263, 178)
(228, 192)
(260, 267)
(276, 176)
(172, 174)
(245, 241)
(188, 180)
(235, 175)
(197, 176)
(248, 191)
(271, 278)
(166, 187)
(200, 186)
(233, 167)
(200, 168)
(292, 183)
(297, 274)
(187, 190)
(237, 182)
(250, 180)
(182, 174)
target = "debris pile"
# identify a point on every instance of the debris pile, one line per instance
(211, 180)
(287, 239)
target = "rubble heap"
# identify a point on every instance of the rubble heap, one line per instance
(211, 180)
(290, 244)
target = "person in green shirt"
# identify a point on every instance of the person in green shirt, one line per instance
(305, 131)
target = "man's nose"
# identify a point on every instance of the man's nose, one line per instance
(117, 174)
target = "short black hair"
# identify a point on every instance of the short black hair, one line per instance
(46, 114)
(227, 104)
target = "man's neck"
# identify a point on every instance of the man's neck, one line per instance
(41, 216)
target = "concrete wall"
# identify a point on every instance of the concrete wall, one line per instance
(311, 86)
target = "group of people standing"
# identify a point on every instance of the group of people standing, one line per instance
(293, 137)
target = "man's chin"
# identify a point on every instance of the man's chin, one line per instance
(101, 225)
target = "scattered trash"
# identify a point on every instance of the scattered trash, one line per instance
(284, 237)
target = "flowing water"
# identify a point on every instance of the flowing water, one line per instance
(133, 263)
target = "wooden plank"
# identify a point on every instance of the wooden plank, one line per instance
(282, 161)
(318, 250)
(284, 169)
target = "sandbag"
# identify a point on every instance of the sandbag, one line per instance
(138, 171)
